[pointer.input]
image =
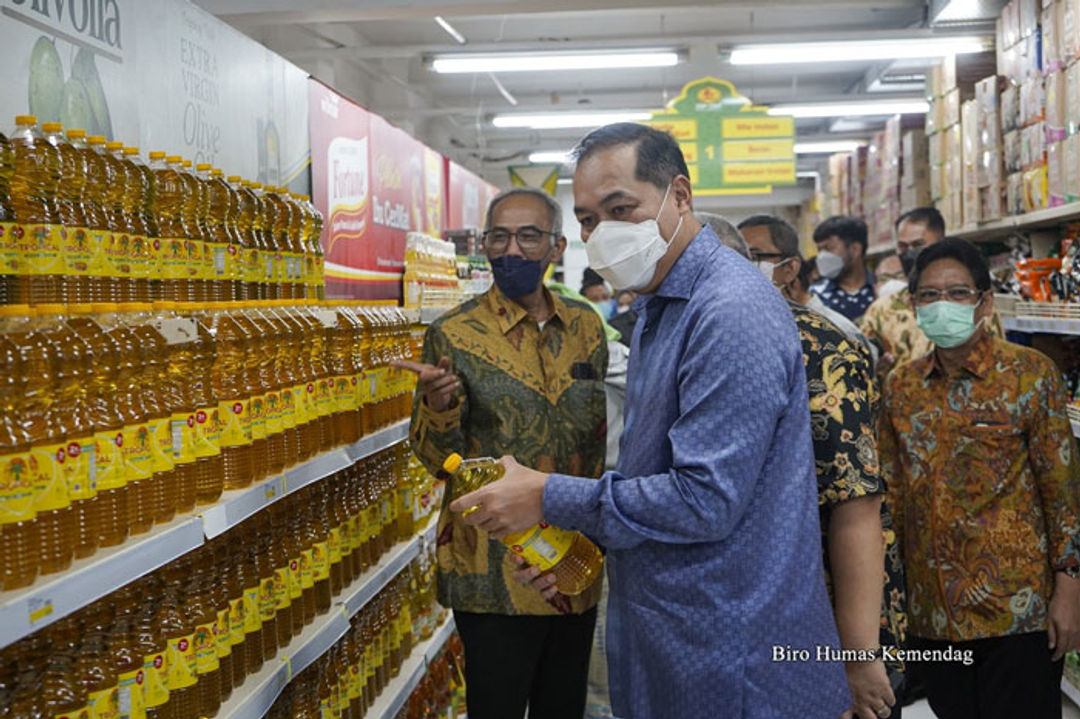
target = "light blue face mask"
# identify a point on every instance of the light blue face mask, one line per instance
(948, 324)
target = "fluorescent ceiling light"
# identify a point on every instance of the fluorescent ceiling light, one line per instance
(560, 157)
(812, 174)
(561, 120)
(856, 50)
(859, 108)
(827, 146)
(451, 30)
(547, 61)
(962, 10)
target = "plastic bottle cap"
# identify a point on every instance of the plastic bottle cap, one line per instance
(131, 151)
(173, 159)
(26, 119)
(103, 307)
(76, 133)
(186, 164)
(51, 127)
(96, 139)
(15, 311)
(233, 178)
(216, 172)
(50, 308)
(202, 166)
(83, 308)
(114, 145)
(157, 155)
(451, 463)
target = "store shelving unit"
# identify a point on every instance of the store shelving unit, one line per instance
(53, 597)
(397, 692)
(1006, 226)
(253, 698)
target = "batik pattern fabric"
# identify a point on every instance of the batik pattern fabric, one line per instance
(850, 304)
(534, 393)
(984, 487)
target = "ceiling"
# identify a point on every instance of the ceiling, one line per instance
(377, 52)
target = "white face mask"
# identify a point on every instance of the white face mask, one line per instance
(767, 268)
(891, 288)
(829, 264)
(626, 253)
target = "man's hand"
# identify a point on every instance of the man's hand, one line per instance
(529, 575)
(871, 694)
(1063, 622)
(438, 381)
(508, 505)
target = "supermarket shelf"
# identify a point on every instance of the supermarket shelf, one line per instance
(1070, 690)
(257, 694)
(236, 506)
(1017, 223)
(397, 692)
(24, 611)
(1050, 325)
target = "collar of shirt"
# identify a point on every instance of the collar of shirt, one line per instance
(829, 285)
(979, 361)
(680, 280)
(510, 313)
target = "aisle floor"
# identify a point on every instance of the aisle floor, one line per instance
(921, 710)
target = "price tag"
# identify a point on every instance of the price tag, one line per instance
(39, 608)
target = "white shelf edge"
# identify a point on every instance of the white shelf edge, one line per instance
(397, 692)
(1027, 221)
(1070, 690)
(1045, 325)
(317, 639)
(25, 611)
(236, 506)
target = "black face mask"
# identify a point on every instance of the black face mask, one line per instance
(907, 260)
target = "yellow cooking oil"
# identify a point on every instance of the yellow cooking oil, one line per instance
(78, 250)
(10, 267)
(34, 191)
(198, 251)
(148, 269)
(99, 180)
(230, 382)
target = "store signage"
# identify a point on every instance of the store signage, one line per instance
(731, 146)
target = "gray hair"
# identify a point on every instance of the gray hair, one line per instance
(554, 210)
(726, 231)
(782, 234)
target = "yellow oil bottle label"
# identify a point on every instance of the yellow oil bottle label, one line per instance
(182, 431)
(236, 423)
(155, 671)
(343, 396)
(258, 417)
(360, 389)
(320, 561)
(206, 651)
(287, 408)
(140, 257)
(103, 704)
(193, 259)
(282, 600)
(309, 269)
(352, 539)
(325, 709)
(80, 713)
(181, 663)
(153, 251)
(272, 410)
(369, 661)
(100, 263)
(130, 698)
(394, 631)
(333, 545)
(119, 253)
(405, 497)
(252, 617)
(355, 682)
(77, 251)
(237, 620)
(42, 249)
(296, 588)
(307, 569)
(138, 455)
(267, 607)
(173, 258)
(304, 399)
(232, 263)
(222, 635)
(206, 438)
(10, 256)
(541, 545)
(405, 619)
(50, 483)
(161, 445)
(379, 648)
(219, 252)
(324, 404)
(80, 469)
(16, 488)
(109, 460)
(387, 509)
(206, 266)
(373, 514)
(253, 264)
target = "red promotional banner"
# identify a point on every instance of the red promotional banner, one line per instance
(467, 198)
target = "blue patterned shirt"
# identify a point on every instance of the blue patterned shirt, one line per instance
(711, 518)
(852, 305)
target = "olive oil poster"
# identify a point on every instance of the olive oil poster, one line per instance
(158, 75)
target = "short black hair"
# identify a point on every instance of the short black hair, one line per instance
(782, 234)
(659, 159)
(928, 216)
(590, 278)
(851, 230)
(953, 248)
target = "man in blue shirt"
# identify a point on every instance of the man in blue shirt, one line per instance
(710, 520)
(846, 285)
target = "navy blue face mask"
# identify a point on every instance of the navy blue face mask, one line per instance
(516, 276)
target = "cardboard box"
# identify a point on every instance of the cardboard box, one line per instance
(992, 202)
(952, 107)
(1055, 174)
(1032, 101)
(936, 148)
(948, 74)
(1010, 108)
(1055, 106)
(971, 206)
(1071, 168)
(1033, 146)
(915, 195)
(1014, 194)
(991, 169)
(937, 182)
(1010, 23)
(1029, 17)
(1051, 40)
(1035, 189)
(1011, 151)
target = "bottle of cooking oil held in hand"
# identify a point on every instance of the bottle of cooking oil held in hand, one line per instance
(570, 556)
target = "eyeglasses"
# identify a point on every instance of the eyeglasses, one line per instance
(755, 255)
(960, 293)
(529, 238)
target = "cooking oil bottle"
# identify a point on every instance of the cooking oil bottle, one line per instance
(279, 558)
(230, 384)
(178, 629)
(100, 181)
(271, 255)
(201, 394)
(226, 242)
(296, 243)
(10, 267)
(34, 190)
(107, 517)
(137, 194)
(177, 495)
(94, 670)
(245, 223)
(19, 533)
(197, 234)
(248, 570)
(173, 261)
(284, 417)
(147, 220)
(123, 224)
(91, 195)
(61, 695)
(570, 556)
(240, 242)
(255, 375)
(154, 649)
(127, 661)
(317, 285)
(136, 446)
(229, 574)
(78, 251)
(304, 530)
(264, 568)
(200, 607)
(220, 593)
(265, 413)
(306, 433)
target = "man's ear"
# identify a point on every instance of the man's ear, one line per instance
(560, 248)
(684, 193)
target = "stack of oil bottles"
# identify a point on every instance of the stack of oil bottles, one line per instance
(86, 220)
(176, 643)
(441, 691)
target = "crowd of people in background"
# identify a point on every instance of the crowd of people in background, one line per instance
(777, 453)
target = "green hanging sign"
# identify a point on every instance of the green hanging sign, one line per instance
(731, 146)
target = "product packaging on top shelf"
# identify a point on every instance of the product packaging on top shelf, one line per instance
(1051, 38)
(1032, 101)
(1028, 17)
(1010, 23)
(970, 142)
(1035, 189)
(1010, 108)
(971, 205)
(1011, 151)
(1055, 107)
(1014, 194)
(1055, 174)
(1032, 146)
(952, 107)
(1071, 164)
(992, 202)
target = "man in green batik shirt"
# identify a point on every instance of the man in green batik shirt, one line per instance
(517, 371)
